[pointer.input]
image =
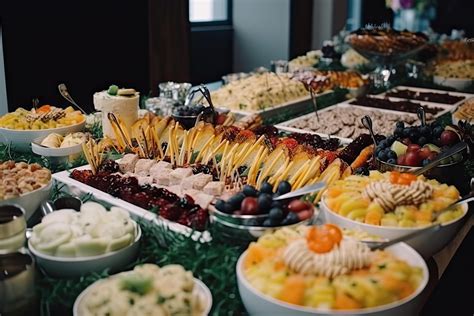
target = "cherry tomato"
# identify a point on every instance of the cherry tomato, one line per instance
(322, 244)
(334, 233)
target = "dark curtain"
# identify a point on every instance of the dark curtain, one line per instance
(169, 39)
(454, 14)
(90, 45)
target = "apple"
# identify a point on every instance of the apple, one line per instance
(432, 155)
(412, 159)
(249, 206)
(433, 147)
(413, 147)
(424, 153)
(401, 160)
(448, 138)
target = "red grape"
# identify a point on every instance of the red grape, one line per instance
(249, 206)
(413, 147)
(412, 159)
(401, 160)
(424, 152)
(448, 138)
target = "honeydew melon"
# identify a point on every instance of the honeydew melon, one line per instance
(399, 148)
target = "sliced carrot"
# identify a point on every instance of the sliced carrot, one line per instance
(44, 109)
(344, 301)
(293, 290)
(363, 157)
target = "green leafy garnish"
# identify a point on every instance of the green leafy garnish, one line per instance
(136, 284)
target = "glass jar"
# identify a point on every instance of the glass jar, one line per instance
(17, 267)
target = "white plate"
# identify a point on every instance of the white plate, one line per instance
(200, 290)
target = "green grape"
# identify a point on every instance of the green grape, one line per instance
(113, 89)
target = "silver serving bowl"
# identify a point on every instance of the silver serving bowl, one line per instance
(453, 173)
(235, 229)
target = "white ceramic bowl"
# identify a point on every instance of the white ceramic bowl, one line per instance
(31, 200)
(426, 244)
(62, 267)
(258, 303)
(456, 83)
(21, 139)
(200, 289)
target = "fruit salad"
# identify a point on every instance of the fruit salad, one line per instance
(417, 146)
(393, 199)
(44, 117)
(317, 267)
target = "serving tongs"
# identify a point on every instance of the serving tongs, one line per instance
(420, 112)
(115, 122)
(65, 94)
(314, 102)
(207, 95)
(380, 245)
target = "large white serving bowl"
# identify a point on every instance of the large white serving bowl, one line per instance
(63, 267)
(22, 139)
(200, 290)
(456, 83)
(31, 200)
(426, 244)
(258, 303)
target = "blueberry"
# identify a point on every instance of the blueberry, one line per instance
(422, 140)
(378, 149)
(264, 202)
(398, 132)
(276, 204)
(269, 222)
(220, 205)
(383, 143)
(392, 161)
(236, 200)
(266, 188)
(382, 155)
(392, 155)
(249, 190)
(437, 131)
(406, 132)
(291, 218)
(228, 208)
(390, 140)
(275, 213)
(400, 124)
(425, 130)
(284, 187)
(425, 162)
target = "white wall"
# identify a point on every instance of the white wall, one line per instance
(3, 87)
(261, 32)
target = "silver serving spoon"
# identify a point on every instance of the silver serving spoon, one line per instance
(302, 191)
(314, 101)
(63, 90)
(379, 245)
(420, 112)
(452, 151)
(367, 122)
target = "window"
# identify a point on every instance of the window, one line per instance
(209, 11)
